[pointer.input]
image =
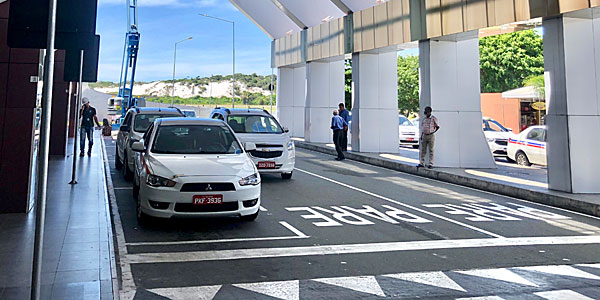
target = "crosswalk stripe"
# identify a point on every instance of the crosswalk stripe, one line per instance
(595, 266)
(437, 279)
(287, 290)
(189, 293)
(482, 298)
(499, 274)
(364, 284)
(562, 294)
(562, 270)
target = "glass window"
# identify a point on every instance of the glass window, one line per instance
(146, 137)
(536, 134)
(493, 125)
(218, 116)
(126, 122)
(195, 139)
(143, 121)
(254, 124)
(403, 121)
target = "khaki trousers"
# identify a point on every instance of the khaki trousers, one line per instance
(427, 141)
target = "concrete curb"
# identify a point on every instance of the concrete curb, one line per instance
(547, 198)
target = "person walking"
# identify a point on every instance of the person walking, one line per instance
(429, 125)
(346, 116)
(88, 118)
(337, 125)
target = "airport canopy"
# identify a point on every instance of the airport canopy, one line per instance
(528, 92)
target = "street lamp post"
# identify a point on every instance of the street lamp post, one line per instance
(174, 60)
(233, 51)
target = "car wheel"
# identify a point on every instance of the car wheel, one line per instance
(287, 176)
(415, 146)
(118, 164)
(522, 159)
(127, 174)
(250, 218)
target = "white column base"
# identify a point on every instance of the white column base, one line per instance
(291, 99)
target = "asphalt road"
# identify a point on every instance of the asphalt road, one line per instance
(346, 230)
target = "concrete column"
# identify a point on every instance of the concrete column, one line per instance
(572, 63)
(449, 83)
(325, 90)
(375, 102)
(291, 98)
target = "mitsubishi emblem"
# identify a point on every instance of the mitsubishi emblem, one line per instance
(208, 187)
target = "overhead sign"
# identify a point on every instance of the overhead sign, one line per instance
(539, 105)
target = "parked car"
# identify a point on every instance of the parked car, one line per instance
(194, 167)
(275, 151)
(135, 123)
(497, 136)
(408, 132)
(529, 146)
(189, 113)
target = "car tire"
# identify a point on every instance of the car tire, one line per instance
(415, 146)
(127, 174)
(250, 218)
(287, 176)
(118, 164)
(522, 159)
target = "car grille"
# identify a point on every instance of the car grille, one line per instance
(502, 142)
(408, 133)
(189, 207)
(268, 146)
(203, 187)
(265, 154)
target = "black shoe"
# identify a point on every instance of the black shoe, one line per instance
(420, 166)
(90, 152)
(81, 154)
(430, 167)
(339, 159)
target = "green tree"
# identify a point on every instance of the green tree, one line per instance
(506, 60)
(408, 84)
(348, 84)
(538, 83)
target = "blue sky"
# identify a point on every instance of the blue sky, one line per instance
(163, 22)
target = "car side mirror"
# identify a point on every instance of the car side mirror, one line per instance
(124, 128)
(138, 147)
(286, 130)
(249, 146)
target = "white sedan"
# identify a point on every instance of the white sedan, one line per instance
(194, 168)
(529, 146)
(408, 133)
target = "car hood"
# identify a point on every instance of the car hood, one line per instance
(411, 129)
(498, 135)
(170, 166)
(264, 138)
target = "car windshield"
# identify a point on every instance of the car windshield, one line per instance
(254, 124)
(403, 121)
(493, 125)
(195, 139)
(143, 121)
(189, 113)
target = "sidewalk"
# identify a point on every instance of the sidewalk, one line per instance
(507, 179)
(78, 252)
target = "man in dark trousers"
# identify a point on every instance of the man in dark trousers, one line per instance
(337, 125)
(88, 118)
(346, 116)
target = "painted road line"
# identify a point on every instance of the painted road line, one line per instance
(403, 204)
(507, 178)
(298, 235)
(262, 208)
(234, 254)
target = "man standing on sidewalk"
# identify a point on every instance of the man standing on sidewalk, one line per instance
(337, 125)
(344, 114)
(429, 125)
(88, 118)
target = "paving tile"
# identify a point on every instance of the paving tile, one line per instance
(106, 286)
(22, 293)
(79, 290)
(85, 246)
(80, 255)
(77, 264)
(77, 276)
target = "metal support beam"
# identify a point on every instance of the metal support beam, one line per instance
(343, 7)
(289, 14)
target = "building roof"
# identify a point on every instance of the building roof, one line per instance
(528, 92)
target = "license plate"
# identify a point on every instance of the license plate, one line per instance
(410, 139)
(208, 199)
(266, 165)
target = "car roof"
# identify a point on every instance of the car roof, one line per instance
(189, 121)
(166, 110)
(243, 111)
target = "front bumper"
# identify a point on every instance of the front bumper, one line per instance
(498, 150)
(283, 164)
(171, 197)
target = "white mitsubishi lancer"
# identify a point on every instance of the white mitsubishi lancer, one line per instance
(194, 167)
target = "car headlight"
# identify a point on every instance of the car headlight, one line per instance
(156, 181)
(490, 139)
(290, 146)
(253, 179)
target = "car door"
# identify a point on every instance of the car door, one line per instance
(123, 134)
(535, 146)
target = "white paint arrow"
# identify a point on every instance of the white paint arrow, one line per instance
(437, 279)
(189, 293)
(287, 290)
(498, 274)
(562, 294)
(365, 284)
(562, 270)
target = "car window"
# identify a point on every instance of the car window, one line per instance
(143, 121)
(195, 139)
(218, 116)
(403, 121)
(536, 134)
(126, 121)
(147, 134)
(254, 124)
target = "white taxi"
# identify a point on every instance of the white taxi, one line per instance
(529, 146)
